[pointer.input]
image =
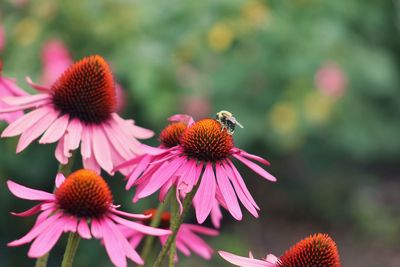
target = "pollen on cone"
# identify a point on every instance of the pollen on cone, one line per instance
(207, 141)
(84, 194)
(171, 134)
(86, 90)
(318, 250)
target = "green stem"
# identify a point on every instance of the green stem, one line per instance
(66, 170)
(155, 222)
(186, 205)
(70, 250)
(42, 261)
(173, 222)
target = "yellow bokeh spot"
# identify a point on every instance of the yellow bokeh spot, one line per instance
(220, 37)
(256, 12)
(317, 107)
(26, 31)
(284, 118)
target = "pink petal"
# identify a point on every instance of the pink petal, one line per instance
(39, 88)
(83, 229)
(198, 245)
(141, 133)
(74, 133)
(59, 153)
(180, 245)
(206, 194)
(116, 143)
(216, 214)
(164, 173)
(228, 193)
(91, 164)
(35, 231)
(255, 168)
(128, 249)
(60, 178)
(201, 229)
(186, 119)
(29, 212)
(11, 87)
(240, 193)
(25, 100)
(28, 193)
(243, 261)
(70, 223)
(254, 157)
(131, 215)
(142, 165)
(36, 130)
(113, 247)
(240, 181)
(101, 149)
(189, 178)
(55, 131)
(25, 122)
(86, 150)
(140, 227)
(46, 240)
(96, 229)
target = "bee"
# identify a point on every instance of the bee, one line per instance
(227, 121)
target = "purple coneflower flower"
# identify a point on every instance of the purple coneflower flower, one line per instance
(201, 152)
(83, 204)
(78, 109)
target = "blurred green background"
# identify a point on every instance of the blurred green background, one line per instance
(314, 82)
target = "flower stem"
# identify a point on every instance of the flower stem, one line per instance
(174, 221)
(42, 261)
(186, 205)
(155, 222)
(70, 250)
(66, 170)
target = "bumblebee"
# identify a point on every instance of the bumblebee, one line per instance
(227, 121)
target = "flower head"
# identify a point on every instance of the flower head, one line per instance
(315, 250)
(78, 109)
(203, 155)
(82, 203)
(187, 239)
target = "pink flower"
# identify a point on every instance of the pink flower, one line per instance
(56, 59)
(331, 80)
(78, 109)
(8, 87)
(315, 250)
(204, 150)
(81, 204)
(187, 238)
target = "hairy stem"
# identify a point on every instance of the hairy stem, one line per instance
(173, 221)
(70, 250)
(186, 205)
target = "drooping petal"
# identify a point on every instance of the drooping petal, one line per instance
(55, 131)
(83, 229)
(239, 191)
(25, 122)
(59, 153)
(216, 214)
(254, 157)
(36, 130)
(140, 227)
(141, 133)
(113, 247)
(201, 229)
(39, 88)
(91, 164)
(255, 168)
(131, 215)
(60, 178)
(35, 231)
(28, 193)
(228, 193)
(35, 209)
(96, 229)
(206, 194)
(46, 240)
(74, 134)
(101, 149)
(196, 244)
(243, 261)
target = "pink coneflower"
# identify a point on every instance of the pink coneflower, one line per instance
(82, 204)
(204, 151)
(315, 250)
(187, 238)
(8, 87)
(78, 109)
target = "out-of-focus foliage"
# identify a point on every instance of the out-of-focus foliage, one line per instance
(314, 82)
